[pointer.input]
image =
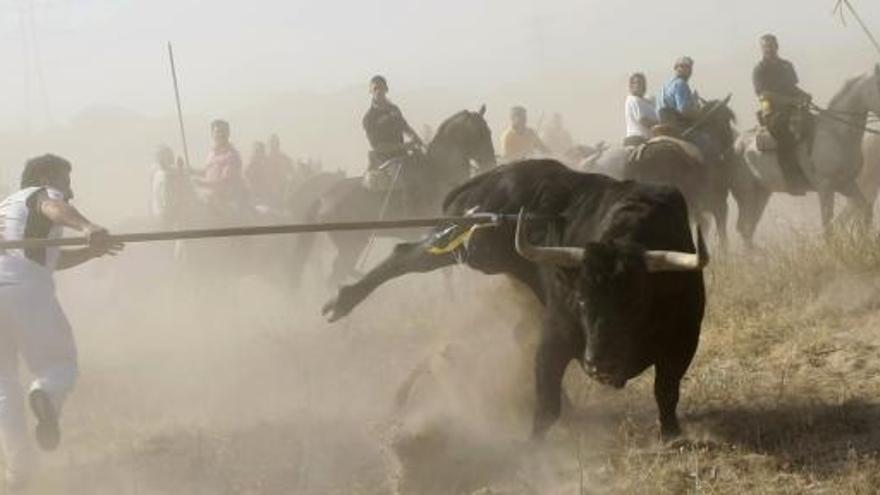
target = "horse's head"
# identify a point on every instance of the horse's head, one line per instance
(859, 94)
(467, 133)
(721, 123)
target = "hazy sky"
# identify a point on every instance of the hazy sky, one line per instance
(113, 51)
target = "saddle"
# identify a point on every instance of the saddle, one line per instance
(386, 177)
(801, 123)
(764, 140)
(689, 149)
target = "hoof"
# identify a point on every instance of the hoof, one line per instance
(338, 307)
(670, 433)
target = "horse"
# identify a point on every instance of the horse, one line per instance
(461, 139)
(304, 194)
(831, 165)
(868, 179)
(705, 185)
(187, 209)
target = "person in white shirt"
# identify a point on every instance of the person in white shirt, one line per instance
(640, 112)
(165, 173)
(32, 323)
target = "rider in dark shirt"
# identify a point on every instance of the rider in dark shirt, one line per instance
(776, 84)
(385, 126)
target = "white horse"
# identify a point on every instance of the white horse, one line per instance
(832, 166)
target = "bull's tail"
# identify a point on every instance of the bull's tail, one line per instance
(304, 244)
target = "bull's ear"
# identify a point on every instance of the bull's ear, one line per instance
(482, 110)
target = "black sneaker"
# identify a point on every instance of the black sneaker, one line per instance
(47, 431)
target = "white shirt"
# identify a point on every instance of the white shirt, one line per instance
(160, 200)
(18, 221)
(635, 109)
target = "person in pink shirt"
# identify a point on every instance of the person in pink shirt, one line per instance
(222, 180)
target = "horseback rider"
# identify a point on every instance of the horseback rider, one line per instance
(640, 112)
(556, 136)
(679, 106)
(521, 141)
(776, 84)
(222, 178)
(680, 109)
(385, 127)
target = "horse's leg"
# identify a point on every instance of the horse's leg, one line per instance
(826, 208)
(858, 202)
(349, 247)
(409, 257)
(751, 209)
(303, 246)
(719, 211)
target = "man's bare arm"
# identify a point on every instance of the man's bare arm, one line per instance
(74, 257)
(63, 213)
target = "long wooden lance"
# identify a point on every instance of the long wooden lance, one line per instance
(179, 109)
(174, 235)
(838, 9)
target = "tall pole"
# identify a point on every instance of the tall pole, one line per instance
(179, 110)
(846, 3)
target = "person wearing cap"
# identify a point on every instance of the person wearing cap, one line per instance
(385, 126)
(33, 326)
(678, 104)
(640, 112)
(520, 141)
(776, 84)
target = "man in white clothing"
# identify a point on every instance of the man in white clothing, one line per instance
(32, 323)
(640, 113)
(165, 174)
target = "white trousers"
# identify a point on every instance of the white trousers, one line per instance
(32, 325)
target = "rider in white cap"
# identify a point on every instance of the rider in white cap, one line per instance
(678, 104)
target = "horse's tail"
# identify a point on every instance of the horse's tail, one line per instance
(304, 244)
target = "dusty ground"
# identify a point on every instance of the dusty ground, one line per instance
(241, 388)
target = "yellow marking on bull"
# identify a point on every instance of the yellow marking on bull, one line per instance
(454, 244)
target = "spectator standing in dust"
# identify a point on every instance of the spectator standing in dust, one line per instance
(556, 137)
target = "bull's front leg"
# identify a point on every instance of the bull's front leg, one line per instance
(432, 253)
(666, 392)
(554, 354)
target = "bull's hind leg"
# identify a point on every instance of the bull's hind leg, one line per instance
(409, 257)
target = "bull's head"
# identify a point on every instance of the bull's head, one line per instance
(607, 291)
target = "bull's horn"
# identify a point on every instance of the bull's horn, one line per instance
(677, 261)
(560, 256)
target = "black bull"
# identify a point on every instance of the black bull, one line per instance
(622, 288)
